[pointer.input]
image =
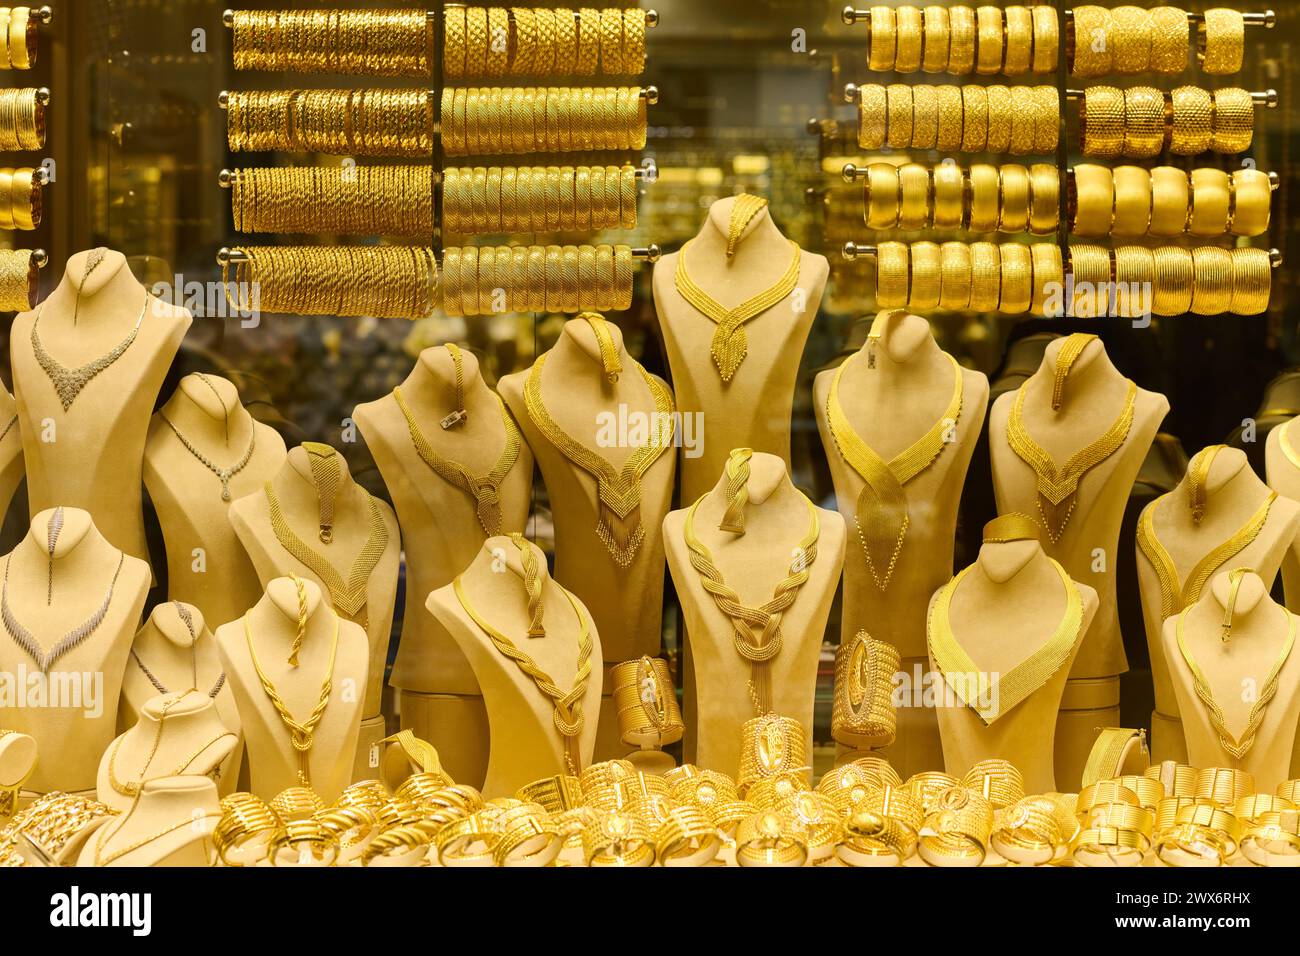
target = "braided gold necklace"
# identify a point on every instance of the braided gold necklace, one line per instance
(881, 516)
(619, 522)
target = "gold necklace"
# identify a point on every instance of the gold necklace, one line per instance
(1237, 746)
(881, 515)
(1058, 489)
(224, 474)
(101, 860)
(301, 733)
(973, 684)
(619, 521)
(755, 631)
(730, 344)
(68, 382)
(129, 788)
(324, 463)
(484, 489)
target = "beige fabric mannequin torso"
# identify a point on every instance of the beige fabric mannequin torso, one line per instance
(753, 564)
(439, 519)
(625, 602)
(525, 743)
(273, 623)
(251, 518)
(219, 580)
(170, 825)
(753, 409)
(90, 455)
(1236, 671)
(11, 451)
(1283, 476)
(87, 680)
(1003, 611)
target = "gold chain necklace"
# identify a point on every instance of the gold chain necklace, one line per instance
(730, 344)
(129, 788)
(881, 516)
(484, 489)
(301, 733)
(68, 382)
(1240, 745)
(225, 474)
(1058, 490)
(619, 522)
(756, 631)
(973, 684)
(101, 860)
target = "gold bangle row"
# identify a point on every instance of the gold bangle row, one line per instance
(18, 31)
(960, 40)
(1166, 201)
(18, 274)
(21, 192)
(1132, 281)
(487, 280)
(22, 119)
(996, 119)
(531, 42)
(354, 122)
(1010, 278)
(478, 121)
(862, 711)
(1141, 121)
(349, 200)
(492, 200)
(1127, 40)
(983, 198)
(373, 42)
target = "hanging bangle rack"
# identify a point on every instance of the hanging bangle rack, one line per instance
(1268, 19)
(227, 256)
(851, 173)
(1265, 98)
(647, 172)
(228, 17)
(852, 251)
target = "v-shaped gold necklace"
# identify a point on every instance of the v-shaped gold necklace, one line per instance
(68, 382)
(882, 517)
(619, 523)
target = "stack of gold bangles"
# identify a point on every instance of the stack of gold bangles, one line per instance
(960, 40)
(480, 121)
(1130, 40)
(487, 280)
(1011, 278)
(376, 42)
(54, 824)
(17, 38)
(1142, 121)
(646, 702)
(353, 122)
(1168, 280)
(22, 118)
(983, 198)
(862, 710)
(524, 41)
(973, 119)
(1166, 201)
(488, 200)
(351, 200)
(18, 275)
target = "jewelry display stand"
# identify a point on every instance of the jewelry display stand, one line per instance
(11, 450)
(170, 823)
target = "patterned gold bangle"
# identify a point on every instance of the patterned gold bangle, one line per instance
(453, 56)
(1234, 121)
(988, 48)
(1211, 203)
(544, 52)
(891, 275)
(1135, 274)
(1170, 192)
(1094, 200)
(1047, 39)
(1130, 40)
(611, 41)
(872, 116)
(634, 25)
(908, 38)
(1019, 47)
(1212, 280)
(970, 118)
(1013, 181)
(1017, 278)
(26, 193)
(1092, 41)
(1102, 119)
(1252, 278)
(949, 195)
(1090, 276)
(1132, 187)
(1047, 125)
(566, 39)
(1193, 116)
(934, 30)
(985, 198)
(586, 55)
(883, 196)
(1169, 39)
(1224, 785)
(497, 60)
(985, 276)
(628, 197)
(884, 43)
(476, 40)
(955, 276)
(525, 43)
(1048, 277)
(1001, 103)
(948, 137)
(1044, 198)
(914, 206)
(1175, 273)
(898, 133)
(961, 40)
(1252, 198)
(1144, 121)
(925, 116)
(1220, 41)
(924, 293)
(1024, 120)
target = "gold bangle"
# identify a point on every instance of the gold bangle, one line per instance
(1175, 277)
(927, 786)
(1048, 278)
(1109, 846)
(1144, 121)
(1046, 38)
(948, 134)
(884, 40)
(934, 30)
(1024, 120)
(883, 196)
(476, 40)
(986, 277)
(1017, 278)
(1104, 791)
(924, 293)
(914, 206)
(1131, 40)
(497, 61)
(872, 116)
(925, 116)
(1132, 188)
(961, 40)
(862, 710)
(764, 839)
(1044, 198)
(1090, 271)
(1193, 121)
(955, 276)
(611, 41)
(1251, 808)
(949, 195)
(1169, 39)
(1220, 41)
(6, 203)
(1252, 280)
(1013, 185)
(816, 819)
(771, 745)
(1102, 120)
(907, 39)
(453, 44)
(1211, 295)
(891, 275)
(566, 39)
(988, 50)
(20, 53)
(1252, 199)
(985, 203)
(634, 27)
(1001, 102)
(1149, 792)
(874, 839)
(963, 823)
(1090, 41)
(898, 131)
(1204, 813)
(1047, 125)
(1028, 833)
(686, 838)
(6, 63)
(1234, 121)
(966, 121)
(1211, 202)
(1019, 47)
(997, 781)
(1170, 194)
(1093, 200)
(1135, 273)
(27, 206)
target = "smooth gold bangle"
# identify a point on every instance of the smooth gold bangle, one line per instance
(1044, 198)
(872, 116)
(961, 40)
(949, 184)
(1093, 36)
(6, 192)
(1013, 182)
(1048, 279)
(1170, 196)
(1252, 199)
(1252, 281)
(1234, 121)
(898, 130)
(20, 53)
(1017, 279)
(1211, 295)
(1090, 271)
(1144, 121)
(1131, 40)
(1046, 38)
(988, 50)
(1169, 39)
(908, 28)
(883, 196)
(1019, 47)
(934, 30)
(914, 207)
(1001, 102)
(1175, 279)
(1024, 120)
(986, 277)
(924, 293)
(1132, 187)
(1193, 121)
(1211, 202)
(1220, 41)
(955, 276)
(953, 122)
(1102, 120)
(1094, 200)
(1135, 273)
(884, 43)
(985, 201)
(925, 116)
(891, 275)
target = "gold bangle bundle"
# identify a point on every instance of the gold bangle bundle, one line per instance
(957, 829)
(1019, 119)
(769, 839)
(770, 745)
(375, 42)
(544, 42)
(1141, 120)
(1206, 280)
(243, 834)
(52, 822)
(1127, 40)
(862, 712)
(20, 198)
(984, 198)
(486, 201)
(997, 781)
(646, 701)
(480, 121)
(961, 40)
(17, 38)
(1165, 201)
(487, 280)
(1220, 41)
(351, 200)
(1008, 278)
(22, 118)
(352, 122)
(378, 281)
(18, 275)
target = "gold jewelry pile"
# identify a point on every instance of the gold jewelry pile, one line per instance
(522, 41)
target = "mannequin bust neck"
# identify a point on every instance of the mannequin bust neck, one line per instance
(1251, 617)
(110, 281)
(1007, 573)
(1002, 561)
(295, 478)
(904, 352)
(769, 485)
(500, 551)
(282, 595)
(167, 799)
(1091, 376)
(166, 619)
(1230, 479)
(212, 415)
(178, 713)
(576, 353)
(762, 245)
(434, 376)
(79, 548)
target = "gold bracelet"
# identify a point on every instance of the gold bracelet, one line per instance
(985, 198)
(1135, 272)
(1019, 47)
(686, 838)
(927, 786)
(815, 818)
(966, 121)
(1175, 279)
(1170, 194)
(1093, 200)
(997, 781)
(949, 183)
(1211, 295)
(955, 276)
(1211, 202)
(914, 206)
(872, 116)
(765, 839)
(1044, 198)
(934, 31)
(863, 714)
(874, 839)
(1252, 199)
(1001, 103)
(986, 277)
(1144, 121)
(1017, 278)
(1102, 120)
(1130, 39)
(1220, 41)
(908, 38)
(453, 44)
(476, 40)
(924, 291)
(634, 27)
(1028, 833)
(1149, 792)
(6, 192)
(961, 40)
(898, 132)
(566, 39)
(1109, 846)
(884, 43)
(1047, 125)
(1252, 278)
(1046, 38)
(1090, 277)
(963, 824)
(1093, 33)
(1048, 278)
(883, 196)
(891, 275)
(1132, 188)
(925, 116)
(1169, 39)
(1013, 185)
(1234, 121)
(1250, 809)
(1024, 120)
(1193, 121)
(988, 49)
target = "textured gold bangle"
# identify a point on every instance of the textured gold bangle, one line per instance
(955, 276)
(985, 201)
(1135, 273)
(453, 56)
(1094, 33)
(1132, 188)
(611, 41)
(898, 132)
(884, 40)
(1169, 39)
(934, 30)
(872, 116)
(924, 292)
(949, 184)
(1019, 47)
(1144, 121)
(1212, 281)
(961, 40)
(1193, 116)
(1211, 202)
(1001, 103)
(1094, 200)
(1234, 121)
(914, 205)
(988, 49)
(1102, 118)
(1090, 276)
(891, 275)
(6, 62)
(968, 117)
(1047, 40)
(997, 781)
(908, 37)
(497, 61)
(883, 196)
(6, 192)
(986, 276)
(952, 129)
(566, 38)
(1175, 273)
(1048, 278)
(1252, 280)
(1044, 198)
(1170, 192)
(1017, 278)
(1047, 125)
(1130, 40)
(1220, 41)
(1252, 199)
(925, 116)
(1013, 183)
(1224, 785)
(1024, 118)
(476, 40)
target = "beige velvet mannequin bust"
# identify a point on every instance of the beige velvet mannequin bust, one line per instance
(170, 825)
(1004, 610)
(753, 409)
(1233, 495)
(177, 734)
(11, 451)
(1283, 476)
(1092, 400)
(625, 602)
(76, 717)
(890, 407)
(206, 565)
(89, 456)
(273, 622)
(1236, 670)
(525, 743)
(251, 518)
(753, 564)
